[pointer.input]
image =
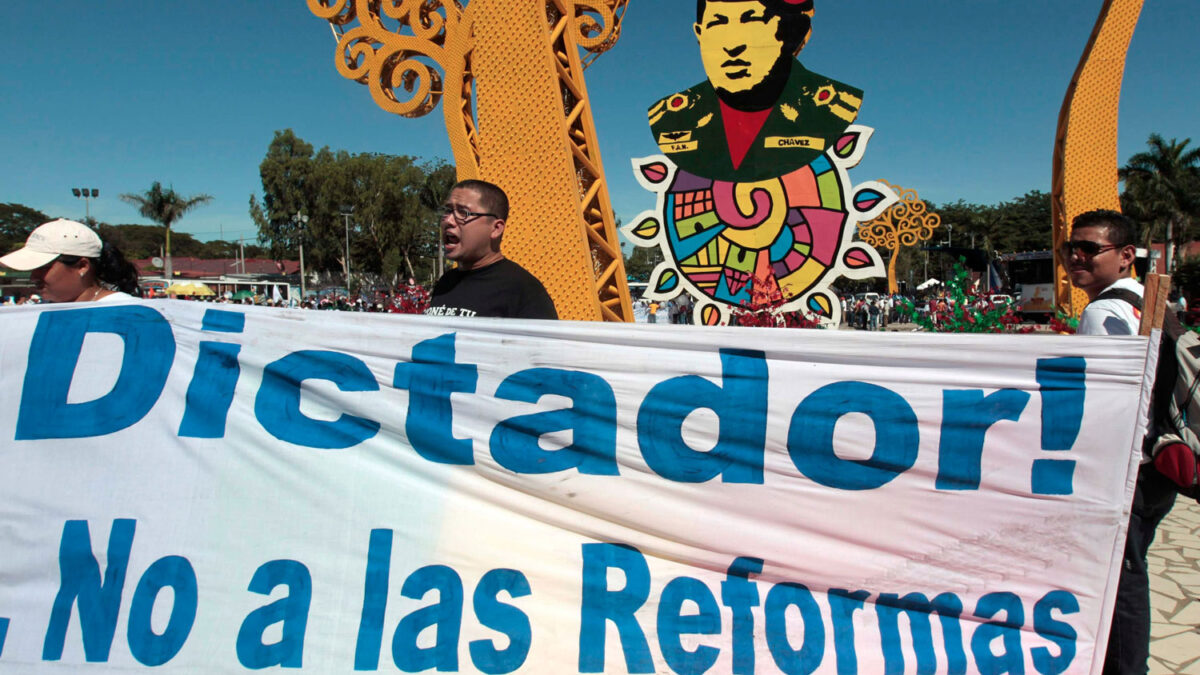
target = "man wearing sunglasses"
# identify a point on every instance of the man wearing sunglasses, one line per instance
(1099, 256)
(485, 283)
(1098, 259)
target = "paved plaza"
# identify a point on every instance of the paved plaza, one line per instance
(1175, 592)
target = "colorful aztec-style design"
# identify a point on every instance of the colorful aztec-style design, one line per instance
(791, 234)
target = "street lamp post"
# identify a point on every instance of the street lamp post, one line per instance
(347, 211)
(86, 194)
(301, 222)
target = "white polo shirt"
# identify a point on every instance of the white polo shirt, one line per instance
(1112, 316)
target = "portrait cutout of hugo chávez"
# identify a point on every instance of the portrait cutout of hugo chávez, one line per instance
(754, 201)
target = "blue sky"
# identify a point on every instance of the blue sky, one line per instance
(964, 95)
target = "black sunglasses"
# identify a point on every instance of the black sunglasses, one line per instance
(1085, 248)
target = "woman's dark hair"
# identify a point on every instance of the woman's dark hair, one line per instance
(111, 268)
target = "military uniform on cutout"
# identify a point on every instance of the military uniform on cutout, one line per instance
(812, 112)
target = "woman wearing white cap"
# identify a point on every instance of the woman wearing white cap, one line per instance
(70, 263)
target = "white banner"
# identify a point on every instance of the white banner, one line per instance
(213, 488)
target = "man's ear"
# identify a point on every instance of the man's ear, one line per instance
(1128, 254)
(697, 29)
(497, 228)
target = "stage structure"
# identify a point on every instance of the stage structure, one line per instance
(509, 76)
(1085, 146)
(753, 201)
(905, 223)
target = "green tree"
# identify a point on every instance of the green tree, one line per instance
(1162, 189)
(385, 205)
(16, 222)
(1023, 224)
(439, 178)
(1186, 278)
(164, 207)
(641, 263)
(385, 193)
(286, 174)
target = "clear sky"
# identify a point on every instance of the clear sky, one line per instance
(964, 95)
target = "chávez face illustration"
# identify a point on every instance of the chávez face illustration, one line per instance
(739, 44)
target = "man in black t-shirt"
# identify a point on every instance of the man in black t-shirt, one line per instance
(485, 283)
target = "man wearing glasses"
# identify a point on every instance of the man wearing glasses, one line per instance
(485, 283)
(1098, 258)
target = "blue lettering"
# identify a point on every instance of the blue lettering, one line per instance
(739, 594)
(99, 603)
(592, 419)
(504, 618)
(966, 417)
(430, 380)
(672, 624)
(1007, 630)
(808, 658)
(223, 321)
(210, 392)
(375, 590)
(842, 605)
(741, 408)
(1062, 634)
(601, 605)
(214, 379)
(446, 615)
(1063, 388)
(810, 436)
(54, 354)
(918, 608)
(291, 610)
(147, 647)
(277, 406)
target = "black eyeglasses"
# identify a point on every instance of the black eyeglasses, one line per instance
(1088, 249)
(462, 215)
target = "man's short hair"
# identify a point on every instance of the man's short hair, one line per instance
(795, 20)
(490, 194)
(1120, 230)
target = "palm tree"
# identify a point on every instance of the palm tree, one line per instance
(165, 207)
(1162, 185)
(438, 181)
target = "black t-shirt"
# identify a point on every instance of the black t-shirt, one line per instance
(502, 289)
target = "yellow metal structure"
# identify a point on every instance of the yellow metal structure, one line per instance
(509, 75)
(1085, 147)
(905, 223)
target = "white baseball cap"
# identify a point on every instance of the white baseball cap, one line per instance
(55, 238)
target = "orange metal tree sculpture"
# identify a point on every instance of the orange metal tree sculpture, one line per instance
(1085, 147)
(509, 76)
(905, 223)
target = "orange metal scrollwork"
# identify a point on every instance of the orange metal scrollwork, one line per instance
(509, 78)
(597, 26)
(905, 223)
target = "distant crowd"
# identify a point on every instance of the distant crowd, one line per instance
(412, 298)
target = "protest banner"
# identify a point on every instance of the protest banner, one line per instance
(212, 488)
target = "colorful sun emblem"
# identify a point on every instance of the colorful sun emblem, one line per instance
(731, 244)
